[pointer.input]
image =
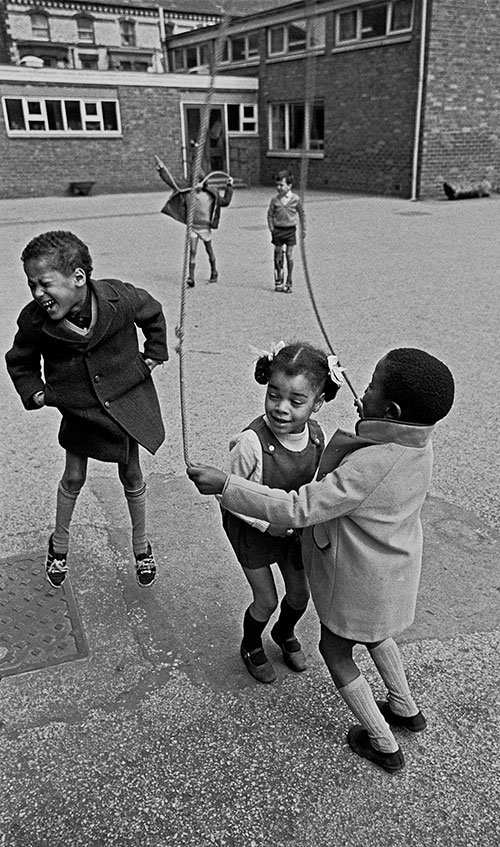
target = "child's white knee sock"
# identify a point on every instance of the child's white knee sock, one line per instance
(136, 501)
(66, 502)
(390, 667)
(358, 696)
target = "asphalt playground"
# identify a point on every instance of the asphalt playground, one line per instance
(126, 715)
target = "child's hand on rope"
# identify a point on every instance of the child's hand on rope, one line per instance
(279, 531)
(208, 480)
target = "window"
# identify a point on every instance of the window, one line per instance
(89, 63)
(241, 48)
(127, 33)
(297, 36)
(374, 22)
(85, 30)
(40, 26)
(186, 58)
(69, 116)
(287, 126)
(241, 117)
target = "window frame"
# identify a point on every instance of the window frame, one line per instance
(40, 13)
(358, 11)
(243, 120)
(290, 108)
(201, 54)
(85, 19)
(249, 55)
(90, 112)
(310, 33)
(128, 40)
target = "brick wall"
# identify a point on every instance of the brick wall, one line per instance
(461, 137)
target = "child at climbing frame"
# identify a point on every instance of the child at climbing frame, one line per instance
(362, 546)
(207, 203)
(283, 215)
(280, 448)
(83, 331)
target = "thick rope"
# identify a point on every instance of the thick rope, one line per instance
(310, 90)
(202, 137)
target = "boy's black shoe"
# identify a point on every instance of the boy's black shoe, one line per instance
(415, 723)
(214, 277)
(359, 741)
(55, 566)
(258, 665)
(190, 282)
(145, 567)
(293, 655)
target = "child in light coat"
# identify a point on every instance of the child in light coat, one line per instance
(362, 543)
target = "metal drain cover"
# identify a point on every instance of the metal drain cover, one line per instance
(40, 626)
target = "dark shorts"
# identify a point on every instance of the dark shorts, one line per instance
(284, 235)
(255, 549)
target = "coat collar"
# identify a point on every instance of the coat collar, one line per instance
(105, 295)
(382, 431)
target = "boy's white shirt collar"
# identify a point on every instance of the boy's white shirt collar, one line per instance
(286, 197)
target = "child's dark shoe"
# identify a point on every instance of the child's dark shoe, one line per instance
(56, 568)
(214, 277)
(415, 723)
(279, 288)
(190, 282)
(293, 655)
(359, 741)
(145, 567)
(258, 665)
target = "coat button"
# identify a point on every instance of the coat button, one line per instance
(271, 448)
(106, 403)
(97, 378)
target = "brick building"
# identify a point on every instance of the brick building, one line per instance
(61, 127)
(126, 35)
(399, 95)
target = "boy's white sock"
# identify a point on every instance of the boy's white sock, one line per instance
(358, 696)
(136, 501)
(390, 667)
(66, 502)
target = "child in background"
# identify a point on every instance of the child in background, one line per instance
(207, 204)
(284, 213)
(281, 448)
(84, 332)
(362, 548)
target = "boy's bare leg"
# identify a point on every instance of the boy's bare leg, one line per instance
(289, 267)
(211, 258)
(278, 267)
(192, 258)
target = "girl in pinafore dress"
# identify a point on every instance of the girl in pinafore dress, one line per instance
(282, 449)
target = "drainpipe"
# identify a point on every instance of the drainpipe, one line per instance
(420, 98)
(163, 36)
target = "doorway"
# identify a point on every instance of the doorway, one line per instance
(214, 156)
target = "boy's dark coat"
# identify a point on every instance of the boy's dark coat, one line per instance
(103, 380)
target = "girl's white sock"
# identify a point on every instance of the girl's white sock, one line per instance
(358, 696)
(387, 659)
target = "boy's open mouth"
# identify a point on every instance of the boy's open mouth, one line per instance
(48, 304)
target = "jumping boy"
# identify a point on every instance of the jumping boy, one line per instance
(284, 213)
(207, 204)
(84, 332)
(362, 546)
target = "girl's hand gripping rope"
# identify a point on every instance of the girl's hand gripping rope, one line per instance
(208, 480)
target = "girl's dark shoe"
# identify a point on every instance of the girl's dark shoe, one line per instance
(415, 723)
(258, 665)
(214, 276)
(190, 282)
(293, 655)
(56, 568)
(359, 741)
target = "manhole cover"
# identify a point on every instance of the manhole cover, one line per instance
(39, 625)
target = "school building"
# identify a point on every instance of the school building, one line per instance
(380, 96)
(390, 97)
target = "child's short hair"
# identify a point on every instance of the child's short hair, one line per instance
(299, 358)
(420, 384)
(286, 175)
(65, 251)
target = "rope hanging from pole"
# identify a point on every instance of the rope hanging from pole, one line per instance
(195, 181)
(310, 89)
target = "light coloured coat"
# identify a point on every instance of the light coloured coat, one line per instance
(362, 546)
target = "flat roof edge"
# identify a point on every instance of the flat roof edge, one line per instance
(14, 73)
